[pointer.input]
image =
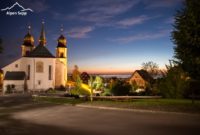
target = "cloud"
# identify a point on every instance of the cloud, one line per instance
(98, 11)
(142, 36)
(161, 3)
(80, 32)
(133, 21)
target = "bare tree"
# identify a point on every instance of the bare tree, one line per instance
(151, 67)
(75, 73)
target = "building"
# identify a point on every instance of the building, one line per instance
(141, 78)
(37, 69)
(1, 79)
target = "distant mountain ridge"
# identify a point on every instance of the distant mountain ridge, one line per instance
(18, 5)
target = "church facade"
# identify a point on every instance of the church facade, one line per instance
(37, 69)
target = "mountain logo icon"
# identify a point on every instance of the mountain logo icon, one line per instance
(20, 10)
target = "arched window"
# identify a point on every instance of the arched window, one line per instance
(61, 55)
(27, 53)
(39, 67)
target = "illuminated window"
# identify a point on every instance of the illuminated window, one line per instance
(61, 55)
(39, 67)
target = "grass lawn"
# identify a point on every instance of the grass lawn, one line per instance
(169, 105)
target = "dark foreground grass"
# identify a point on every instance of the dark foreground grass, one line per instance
(58, 100)
(169, 105)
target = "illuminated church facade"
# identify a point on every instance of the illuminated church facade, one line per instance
(37, 69)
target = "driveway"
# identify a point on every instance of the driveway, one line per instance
(48, 119)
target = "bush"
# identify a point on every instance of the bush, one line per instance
(107, 92)
(174, 85)
(51, 90)
(8, 89)
(121, 88)
(61, 88)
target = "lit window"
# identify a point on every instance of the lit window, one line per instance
(61, 55)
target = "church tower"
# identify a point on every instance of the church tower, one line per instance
(42, 39)
(28, 44)
(61, 61)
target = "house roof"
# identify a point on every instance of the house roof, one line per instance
(15, 75)
(144, 74)
(41, 51)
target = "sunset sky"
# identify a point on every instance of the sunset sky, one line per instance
(104, 36)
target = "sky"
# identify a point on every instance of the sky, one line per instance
(103, 36)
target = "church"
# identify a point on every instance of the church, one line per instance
(37, 69)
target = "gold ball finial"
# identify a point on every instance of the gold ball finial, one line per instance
(43, 21)
(61, 28)
(29, 29)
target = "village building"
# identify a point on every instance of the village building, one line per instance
(37, 69)
(1, 79)
(141, 79)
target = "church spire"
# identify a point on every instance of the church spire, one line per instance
(42, 40)
(29, 29)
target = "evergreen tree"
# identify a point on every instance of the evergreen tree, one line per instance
(186, 36)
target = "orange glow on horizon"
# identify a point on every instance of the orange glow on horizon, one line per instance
(109, 71)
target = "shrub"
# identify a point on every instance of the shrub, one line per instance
(174, 85)
(107, 92)
(8, 89)
(121, 88)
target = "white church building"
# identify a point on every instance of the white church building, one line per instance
(37, 69)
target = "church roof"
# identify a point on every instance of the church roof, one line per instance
(15, 75)
(41, 51)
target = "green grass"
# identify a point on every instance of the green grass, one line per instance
(58, 100)
(169, 105)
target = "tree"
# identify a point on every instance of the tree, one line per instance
(1, 49)
(75, 73)
(151, 67)
(121, 88)
(174, 84)
(186, 37)
(85, 77)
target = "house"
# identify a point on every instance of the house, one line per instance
(37, 69)
(141, 79)
(1, 78)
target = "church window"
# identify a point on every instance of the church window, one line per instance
(61, 55)
(39, 67)
(16, 65)
(50, 72)
(29, 71)
(27, 52)
(39, 82)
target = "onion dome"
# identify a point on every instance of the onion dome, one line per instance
(62, 41)
(28, 38)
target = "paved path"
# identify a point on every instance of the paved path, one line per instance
(20, 116)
